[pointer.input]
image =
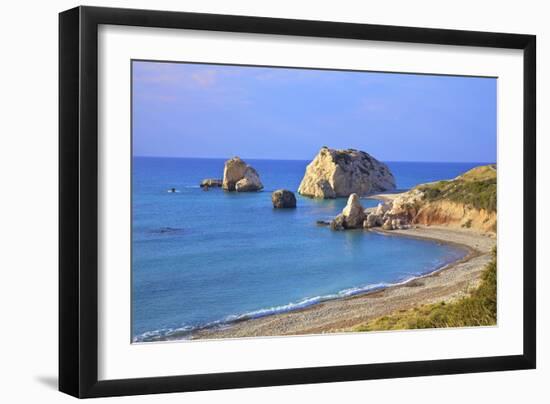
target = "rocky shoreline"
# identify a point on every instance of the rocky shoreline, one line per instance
(452, 282)
(448, 211)
(467, 201)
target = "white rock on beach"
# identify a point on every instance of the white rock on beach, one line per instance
(382, 208)
(339, 173)
(372, 220)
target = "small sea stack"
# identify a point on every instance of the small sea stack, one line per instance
(283, 199)
(352, 216)
(337, 173)
(240, 177)
(211, 183)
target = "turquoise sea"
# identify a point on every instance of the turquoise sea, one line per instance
(202, 259)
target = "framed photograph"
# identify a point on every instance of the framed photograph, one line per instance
(251, 201)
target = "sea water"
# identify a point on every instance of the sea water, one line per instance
(207, 258)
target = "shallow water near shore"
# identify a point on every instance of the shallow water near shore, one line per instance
(206, 258)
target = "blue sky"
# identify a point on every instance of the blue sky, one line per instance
(200, 110)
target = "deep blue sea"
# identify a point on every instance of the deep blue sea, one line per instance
(205, 258)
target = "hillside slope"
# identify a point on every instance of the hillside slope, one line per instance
(467, 201)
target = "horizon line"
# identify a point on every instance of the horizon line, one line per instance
(287, 159)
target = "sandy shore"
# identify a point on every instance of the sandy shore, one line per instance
(450, 283)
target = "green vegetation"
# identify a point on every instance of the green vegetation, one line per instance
(478, 309)
(476, 188)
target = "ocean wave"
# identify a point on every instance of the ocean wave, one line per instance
(186, 331)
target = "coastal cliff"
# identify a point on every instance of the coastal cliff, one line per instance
(467, 201)
(339, 173)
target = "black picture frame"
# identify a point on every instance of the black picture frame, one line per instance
(78, 201)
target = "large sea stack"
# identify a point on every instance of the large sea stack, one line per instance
(339, 173)
(239, 176)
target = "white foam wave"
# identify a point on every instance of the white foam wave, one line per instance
(185, 331)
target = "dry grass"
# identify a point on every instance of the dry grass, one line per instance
(476, 188)
(477, 309)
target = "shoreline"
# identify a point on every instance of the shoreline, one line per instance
(447, 283)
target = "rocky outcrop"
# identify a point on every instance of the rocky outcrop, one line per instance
(239, 176)
(467, 201)
(337, 223)
(233, 171)
(373, 220)
(340, 173)
(399, 215)
(353, 213)
(283, 198)
(352, 216)
(388, 216)
(250, 181)
(211, 182)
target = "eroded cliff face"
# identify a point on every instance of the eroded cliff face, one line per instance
(457, 215)
(339, 173)
(468, 201)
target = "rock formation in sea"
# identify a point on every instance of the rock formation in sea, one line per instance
(352, 216)
(339, 173)
(250, 182)
(211, 182)
(239, 176)
(283, 198)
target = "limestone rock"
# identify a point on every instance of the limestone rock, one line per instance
(238, 176)
(352, 215)
(372, 220)
(211, 182)
(322, 189)
(337, 223)
(283, 198)
(407, 203)
(383, 208)
(339, 173)
(233, 172)
(250, 182)
(387, 224)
